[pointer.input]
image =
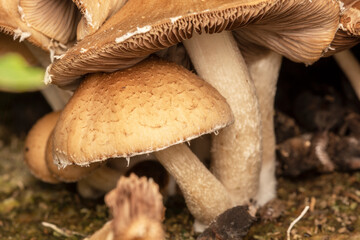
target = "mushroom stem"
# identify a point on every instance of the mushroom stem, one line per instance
(56, 97)
(205, 196)
(351, 68)
(236, 158)
(264, 71)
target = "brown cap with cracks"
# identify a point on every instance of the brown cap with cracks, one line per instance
(146, 108)
(134, 32)
(35, 145)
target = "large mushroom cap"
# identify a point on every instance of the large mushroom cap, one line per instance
(148, 107)
(134, 32)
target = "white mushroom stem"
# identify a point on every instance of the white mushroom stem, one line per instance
(264, 71)
(205, 196)
(236, 157)
(351, 68)
(56, 97)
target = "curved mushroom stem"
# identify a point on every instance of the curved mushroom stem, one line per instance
(264, 71)
(205, 196)
(236, 158)
(351, 68)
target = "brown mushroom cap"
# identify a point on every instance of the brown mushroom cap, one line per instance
(146, 108)
(35, 145)
(134, 32)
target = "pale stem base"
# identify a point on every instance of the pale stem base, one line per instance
(205, 196)
(264, 71)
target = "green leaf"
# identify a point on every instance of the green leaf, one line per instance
(17, 76)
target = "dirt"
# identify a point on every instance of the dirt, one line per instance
(26, 203)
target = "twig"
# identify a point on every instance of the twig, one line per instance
(295, 221)
(63, 232)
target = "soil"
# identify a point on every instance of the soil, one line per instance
(310, 100)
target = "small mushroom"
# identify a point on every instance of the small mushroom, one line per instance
(154, 106)
(37, 156)
(137, 207)
(35, 146)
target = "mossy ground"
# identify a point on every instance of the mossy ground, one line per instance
(25, 203)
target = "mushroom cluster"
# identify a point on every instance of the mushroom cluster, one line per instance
(151, 106)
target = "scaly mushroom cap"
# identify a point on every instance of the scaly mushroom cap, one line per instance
(134, 32)
(35, 145)
(146, 108)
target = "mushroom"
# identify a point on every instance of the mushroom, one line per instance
(154, 106)
(38, 159)
(137, 207)
(135, 32)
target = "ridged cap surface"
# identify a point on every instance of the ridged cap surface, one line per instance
(145, 108)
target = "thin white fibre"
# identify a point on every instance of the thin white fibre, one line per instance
(20, 34)
(130, 34)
